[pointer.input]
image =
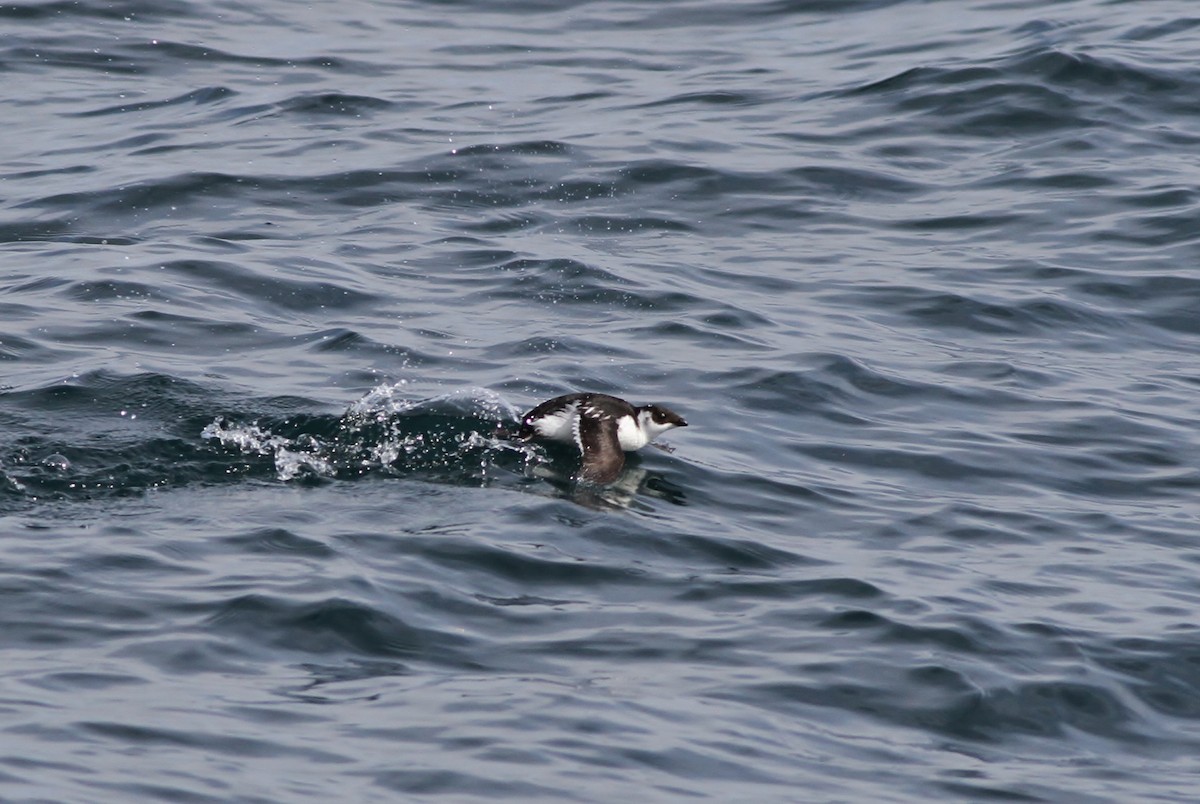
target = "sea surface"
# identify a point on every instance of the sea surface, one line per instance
(923, 277)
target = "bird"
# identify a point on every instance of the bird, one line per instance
(602, 427)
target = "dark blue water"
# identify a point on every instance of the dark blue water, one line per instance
(924, 278)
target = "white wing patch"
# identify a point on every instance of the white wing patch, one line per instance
(596, 413)
(575, 433)
(559, 425)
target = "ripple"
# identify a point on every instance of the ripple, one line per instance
(923, 290)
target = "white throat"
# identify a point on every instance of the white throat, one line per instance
(635, 434)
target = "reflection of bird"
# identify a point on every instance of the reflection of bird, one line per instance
(603, 427)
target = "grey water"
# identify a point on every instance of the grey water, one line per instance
(923, 277)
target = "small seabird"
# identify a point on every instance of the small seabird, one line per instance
(603, 427)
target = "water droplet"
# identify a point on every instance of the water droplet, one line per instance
(57, 462)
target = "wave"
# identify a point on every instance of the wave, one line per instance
(132, 435)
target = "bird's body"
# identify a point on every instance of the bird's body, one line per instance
(602, 427)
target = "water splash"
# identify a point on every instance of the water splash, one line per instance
(452, 436)
(294, 457)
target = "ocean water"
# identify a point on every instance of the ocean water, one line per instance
(924, 278)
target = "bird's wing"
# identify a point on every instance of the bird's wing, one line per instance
(603, 458)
